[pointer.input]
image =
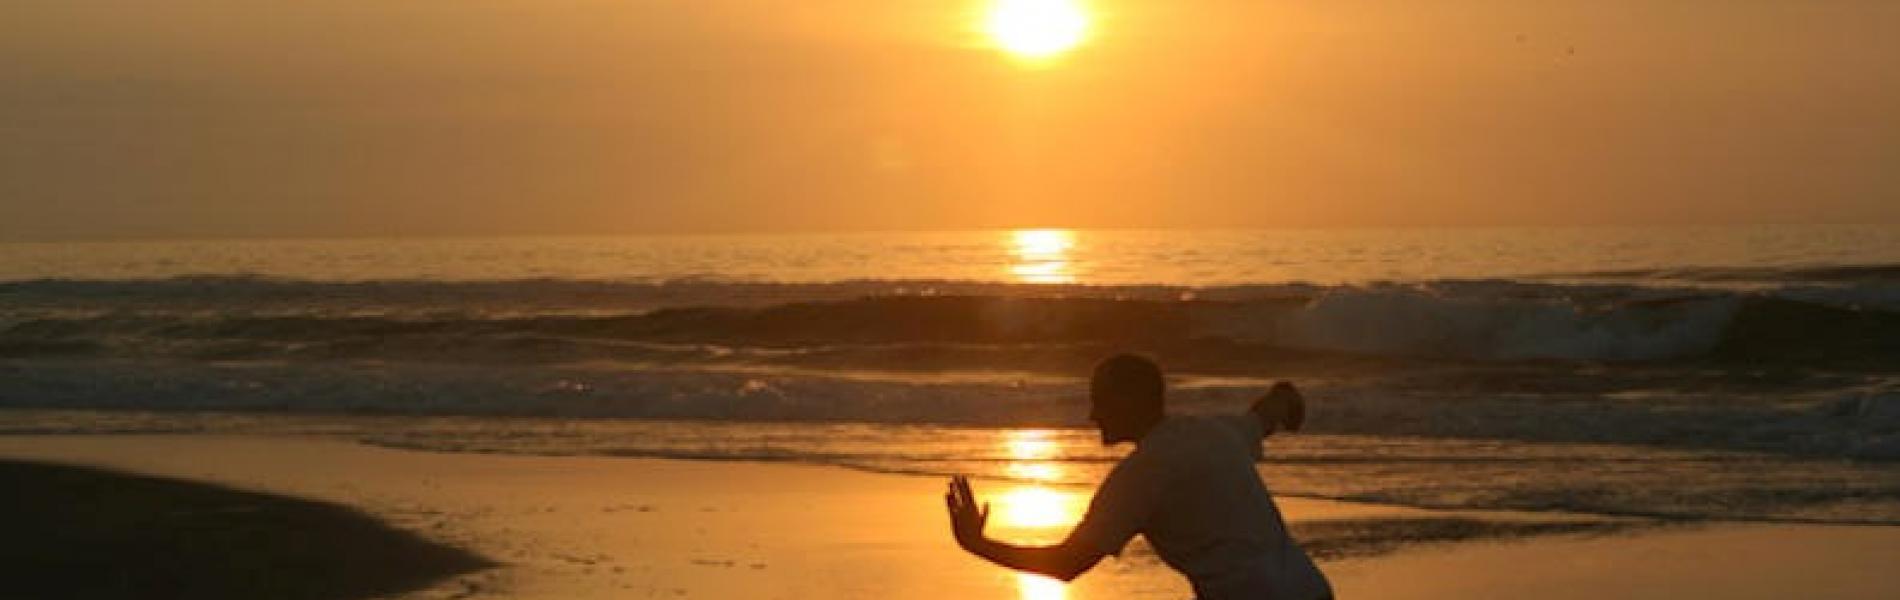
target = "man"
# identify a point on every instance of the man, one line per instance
(1189, 487)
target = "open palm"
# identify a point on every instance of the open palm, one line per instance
(966, 518)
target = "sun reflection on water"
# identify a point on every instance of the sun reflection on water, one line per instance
(1029, 445)
(1033, 471)
(1035, 512)
(1042, 255)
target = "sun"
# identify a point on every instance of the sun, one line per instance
(1037, 29)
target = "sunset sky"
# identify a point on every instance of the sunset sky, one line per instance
(426, 117)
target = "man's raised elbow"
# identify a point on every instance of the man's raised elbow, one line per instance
(1068, 575)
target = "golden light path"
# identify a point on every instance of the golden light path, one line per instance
(1042, 255)
(1036, 29)
(1034, 512)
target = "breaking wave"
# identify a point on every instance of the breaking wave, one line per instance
(1804, 369)
(557, 321)
(1829, 274)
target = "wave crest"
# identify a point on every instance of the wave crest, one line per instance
(566, 321)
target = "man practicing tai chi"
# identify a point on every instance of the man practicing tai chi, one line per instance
(1189, 487)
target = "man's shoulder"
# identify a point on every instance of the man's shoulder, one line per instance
(1187, 436)
(1178, 433)
(1187, 423)
(1196, 427)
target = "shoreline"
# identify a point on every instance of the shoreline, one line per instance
(1596, 479)
(598, 527)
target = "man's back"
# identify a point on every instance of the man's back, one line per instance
(1191, 489)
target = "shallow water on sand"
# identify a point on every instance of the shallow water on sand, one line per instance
(1050, 470)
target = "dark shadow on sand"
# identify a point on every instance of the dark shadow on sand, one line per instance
(72, 532)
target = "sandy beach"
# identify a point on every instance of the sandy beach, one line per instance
(594, 527)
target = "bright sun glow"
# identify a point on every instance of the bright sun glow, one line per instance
(1037, 587)
(1037, 507)
(1042, 255)
(1028, 450)
(1033, 511)
(1036, 29)
(1029, 444)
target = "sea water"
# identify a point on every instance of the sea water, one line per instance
(1742, 372)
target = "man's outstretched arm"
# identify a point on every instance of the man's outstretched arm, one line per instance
(1064, 561)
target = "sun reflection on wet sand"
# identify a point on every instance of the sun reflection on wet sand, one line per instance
(1033, 471)
(1029, 445)
(1042, 255)
(1034, 512)
(1036, 507)
(1037, 587)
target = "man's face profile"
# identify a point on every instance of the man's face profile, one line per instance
(1109, 409)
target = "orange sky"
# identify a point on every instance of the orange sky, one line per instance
(372, 117)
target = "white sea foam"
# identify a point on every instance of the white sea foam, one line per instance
(1630, 382)
(1410, 321)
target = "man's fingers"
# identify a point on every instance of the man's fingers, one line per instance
(956, 506)
(962, 497)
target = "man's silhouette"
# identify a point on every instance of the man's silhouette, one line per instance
(1189, 487)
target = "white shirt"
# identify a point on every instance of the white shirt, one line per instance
(1190, 487)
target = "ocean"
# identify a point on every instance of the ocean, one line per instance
(1678, 373)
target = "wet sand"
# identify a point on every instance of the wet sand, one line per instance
(596, 527)
(1730, 561)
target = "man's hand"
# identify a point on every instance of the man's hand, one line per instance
(1063, 561)
(966, 519)
(1283, 408)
